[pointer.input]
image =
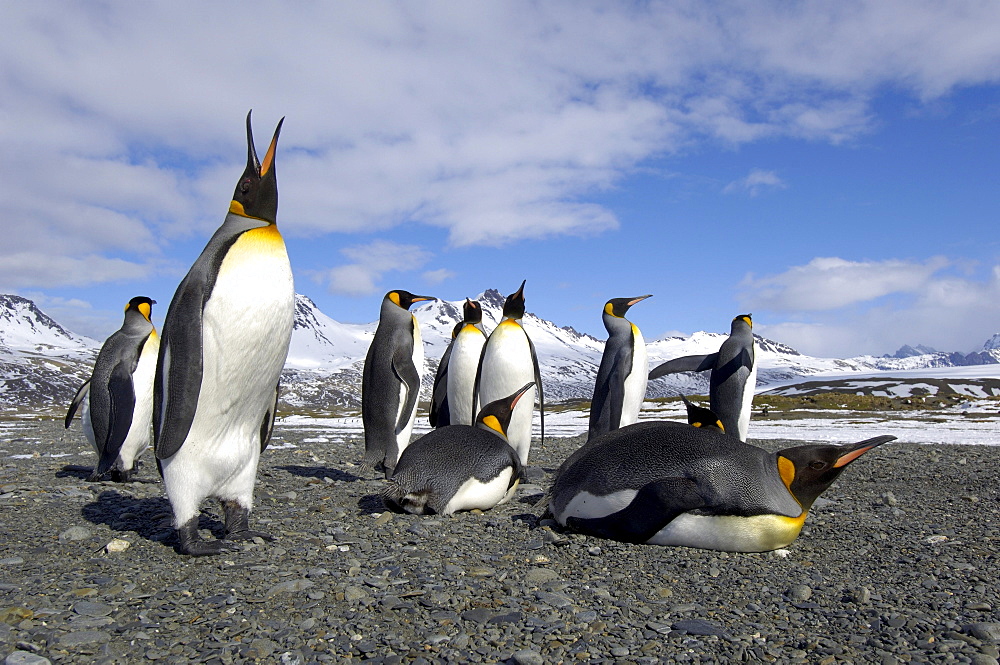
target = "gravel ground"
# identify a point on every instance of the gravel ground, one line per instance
(897, 563)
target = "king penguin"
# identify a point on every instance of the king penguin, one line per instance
(118, 411)
(668, 483)
(456, 382)
(733, 377)
(225, 339)
(621, 378)
(391, 381)
(459, 467)
(508, 362)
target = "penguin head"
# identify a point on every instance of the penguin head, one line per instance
(808, 471)
(699, 416)
(472, 312)
(495, 416)
(256, 193)
(513, 306)
(618, 306)
(142, 305)
(404, 298)
(741, 320)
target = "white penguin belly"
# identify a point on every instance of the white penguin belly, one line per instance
(635, 382)
(462, 368)
(730, 533)
(473, 493)
(88, 425)
(593, 506)
(507, 367)
(403, 436)
(141, 431)
(247, 325)
(747, 407)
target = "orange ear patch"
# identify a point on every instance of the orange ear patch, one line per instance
(786, 469)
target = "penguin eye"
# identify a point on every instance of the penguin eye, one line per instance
(245, 185)
(817, 465)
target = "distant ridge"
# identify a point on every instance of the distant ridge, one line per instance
(42, 363)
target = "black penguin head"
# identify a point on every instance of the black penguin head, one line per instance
(513, 306)
(142, 305)
(472, 312)
(404, 298)
(808, 470)
(742, 319)
(699, 416)
(618, 306)
(256, 193)
(496, 415)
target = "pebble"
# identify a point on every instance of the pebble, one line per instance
(25, 658)
(346, 584)
(987, 632)
(75, 533)
(88, 609)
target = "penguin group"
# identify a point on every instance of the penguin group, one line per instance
(204, 394)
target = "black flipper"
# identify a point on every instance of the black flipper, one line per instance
(654, 506)
(81, 392)
(267, 425)
(122, 394)
(538, 384)
(406, 372)
(685, 364)
(440, 414)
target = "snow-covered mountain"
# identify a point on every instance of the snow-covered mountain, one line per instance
(41, 363)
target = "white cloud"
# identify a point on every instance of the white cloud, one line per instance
(835, 308)
(754, 182)
(370, 262)
(437, 276)
(493, 121)
(829, 283)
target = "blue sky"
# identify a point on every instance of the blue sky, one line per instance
(830, 167)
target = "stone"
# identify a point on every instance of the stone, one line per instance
(26, 658)
(75, 533)
(987, 632)
(88, 609)
(540, 575)
(528, 657)
(81, 638)
(290, 586)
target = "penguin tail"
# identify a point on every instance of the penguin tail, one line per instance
(543, 503)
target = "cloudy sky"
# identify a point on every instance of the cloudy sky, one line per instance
(831, 167)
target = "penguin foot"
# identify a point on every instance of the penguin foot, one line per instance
(238, 523)
(192, 544)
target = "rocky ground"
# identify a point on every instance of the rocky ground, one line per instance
(898, 564)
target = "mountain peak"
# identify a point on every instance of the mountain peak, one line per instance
(993, 343)
(25, 327)
(907, 351)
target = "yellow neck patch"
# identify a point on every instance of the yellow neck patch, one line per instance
(394, 297)
(786, 469)
(493, 424)
(609, 309)
(145, 310)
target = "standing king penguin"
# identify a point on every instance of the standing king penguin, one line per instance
(459, 467)
(118, 411)
(390, 382)
(455, 382)
(668, 483)
(621, 378)
(509, 362)
(225, 339)
(733, 378)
